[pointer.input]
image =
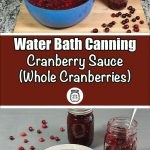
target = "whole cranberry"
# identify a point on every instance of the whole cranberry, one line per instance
(41, 140)
(126, 20)
(136, 26)
(31, 129)
(134, 20)
(104, 25)
(130, 8)
(123, 22)
(32, 148)
(107, 30)
(126, 26)
(25, 141)
(62, 129)
(21, 148)
(129, 15)
(95, 30)
(52, 137)
(44, 122)
(132, 11)
(57, 138)
(110, 25)
(141, 22)
(39, 131)
(123, 15)
(136, 29)
(128, 31)
(113, 15)
(44, 126)
(119, 13)
(113, 22)
(137, 17)
(23, 134)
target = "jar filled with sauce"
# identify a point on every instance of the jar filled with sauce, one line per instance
(119, 136)
(80, 125)
(117, 4)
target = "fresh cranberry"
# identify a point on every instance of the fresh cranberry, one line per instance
(119, 13)
(52, 137)
(110, 25)
(113, 22)
(141, 22)
(104, 25)
(107, 30)
(123, 15)
(95, 30)
(113, 15)
(134, 20)
(31, 129)
(57, 138)
(137, 17)
(41, 140)
(126, 20)
(44, 122)
(21, 148)
(128, 31)
(11, 138)
(136, 29)
(39, 131)
(129, 15)
(23, 134)
(132, 11)
(32, 148)
(126, 26)
(25, 141)
(136, 26)
(62, 129)
(44, 126)
(130, 8)
(123, 22)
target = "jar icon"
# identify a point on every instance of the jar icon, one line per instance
(74, 96)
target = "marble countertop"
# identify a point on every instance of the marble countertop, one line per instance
(9, 10)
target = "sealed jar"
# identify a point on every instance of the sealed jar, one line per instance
(119, 136)
(117, 4)
(80, 124)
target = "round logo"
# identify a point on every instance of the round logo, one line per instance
(75, 95)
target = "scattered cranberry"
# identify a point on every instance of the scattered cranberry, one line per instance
(141, 22)
(126, 20)
(52, 137)
(11, 138)
(132, 11)
(39, 131)
(104, 25)
(128, 31)
(123, 22)
(137, 17)
(25, 141)
(134, 20)
(136, 26)
(119, 13)
(113, 22)
(130, 8)
(113, 15)
(57, 138)
(62, 129)
(129, 15)
(107, 30)
(44, 126)
(41, 140)
(123, 15)
(136, 29)
(23, 134)
(32, 148)
(95, 30)
(21, 148)
(110, 25)
(126, 26)
(44, 122)
(31, 129)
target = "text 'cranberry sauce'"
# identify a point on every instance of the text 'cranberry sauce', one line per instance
(80, 123)
(57, 4)
(117, 4)
(118, 135)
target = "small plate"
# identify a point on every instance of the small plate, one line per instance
(69, 147)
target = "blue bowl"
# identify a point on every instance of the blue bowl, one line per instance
(60, 18)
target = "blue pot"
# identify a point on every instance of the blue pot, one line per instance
(60, 18)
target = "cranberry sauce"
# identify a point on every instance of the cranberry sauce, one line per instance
(117, 4)
(119, 137)
(80, 126)
(57, 4)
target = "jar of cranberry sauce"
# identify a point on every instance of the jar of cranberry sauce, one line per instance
(80, 124)
(117, 4)
(119, 136)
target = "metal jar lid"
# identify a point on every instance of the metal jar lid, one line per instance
(80, 111)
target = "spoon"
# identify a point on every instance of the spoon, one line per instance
(132, 117)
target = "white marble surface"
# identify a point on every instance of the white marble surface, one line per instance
(9, 10)
(12, 122)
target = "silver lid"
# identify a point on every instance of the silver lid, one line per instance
(80, 111)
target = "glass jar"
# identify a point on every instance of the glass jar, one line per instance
(80, 124)
(118, 135)
(117, 4)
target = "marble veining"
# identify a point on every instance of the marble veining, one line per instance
(9, 10)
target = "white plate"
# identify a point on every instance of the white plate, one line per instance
(69, 147)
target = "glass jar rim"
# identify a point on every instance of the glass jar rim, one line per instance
(121, 124)
(80, 111)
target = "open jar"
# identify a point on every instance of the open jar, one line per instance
(80, 124)
(117, 4)
(118, 135)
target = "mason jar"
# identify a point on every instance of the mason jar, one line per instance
(117, 4)
(119, 136)
(80, 126)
